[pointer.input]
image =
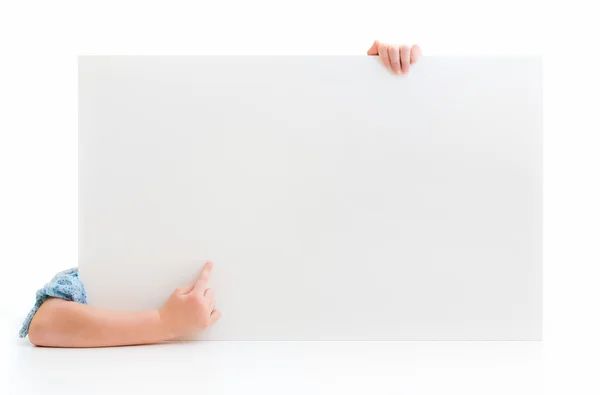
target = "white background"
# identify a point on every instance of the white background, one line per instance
(39, 44)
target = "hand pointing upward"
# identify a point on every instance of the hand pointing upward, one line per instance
(191, 308)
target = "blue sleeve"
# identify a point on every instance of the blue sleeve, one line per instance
(65, 285)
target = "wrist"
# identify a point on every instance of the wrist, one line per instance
(163, 326)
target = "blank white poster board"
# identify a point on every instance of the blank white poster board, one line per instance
(337, 201)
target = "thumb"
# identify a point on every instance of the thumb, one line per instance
(374, 50)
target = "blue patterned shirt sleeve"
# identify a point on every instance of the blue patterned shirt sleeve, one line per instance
(65, 285)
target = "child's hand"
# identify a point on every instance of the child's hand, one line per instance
(396, 58)
(192, 308)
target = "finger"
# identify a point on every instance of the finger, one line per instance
(209, 297)
(405, 58)
(374, 49)
(394, 53)
(415, 54)
(214, 316)
(384, 55)
(185, 289)
(202, 282)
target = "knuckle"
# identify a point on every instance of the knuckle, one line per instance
(198, 301)
(204, 305)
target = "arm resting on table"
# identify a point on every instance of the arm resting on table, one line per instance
(61, 323)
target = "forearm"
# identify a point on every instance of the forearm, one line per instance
(59, 323)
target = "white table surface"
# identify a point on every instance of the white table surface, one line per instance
(562, 364)
(281, 368)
